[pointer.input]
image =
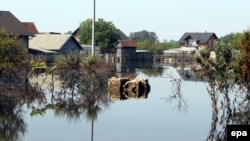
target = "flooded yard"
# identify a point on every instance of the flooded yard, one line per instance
(174, 109)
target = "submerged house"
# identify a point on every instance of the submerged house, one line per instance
(12, 26)
(50, 45)
(197, 40)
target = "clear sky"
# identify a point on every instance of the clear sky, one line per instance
(169, 19)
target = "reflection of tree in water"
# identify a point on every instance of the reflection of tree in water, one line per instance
(227, 111)
(228, 86)
(177, 95)
(153, 72)
(12, 125)
(83, 92)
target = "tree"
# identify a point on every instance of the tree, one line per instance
(145, 45)
(143, 35)
(69, 32)
(12, 54)
(106, 34)
(242, 62)
(232, 40)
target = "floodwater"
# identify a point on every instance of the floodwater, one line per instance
(154, 118)
(168, 113)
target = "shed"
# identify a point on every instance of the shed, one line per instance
(126, 50)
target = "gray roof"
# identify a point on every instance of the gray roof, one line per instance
(200, 37)
(48, 41)
(122, 35)
(43, 50)
(12, 25)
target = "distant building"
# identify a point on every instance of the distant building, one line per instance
(52, 44)
(12, 26)
(198, 40)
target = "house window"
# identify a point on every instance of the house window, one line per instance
(191, 42)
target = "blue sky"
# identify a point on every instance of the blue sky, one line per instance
(169, 19)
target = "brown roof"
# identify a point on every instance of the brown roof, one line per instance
(127, 43)
(12, 25)
(31, 26)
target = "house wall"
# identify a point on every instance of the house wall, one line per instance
(211, 43)
(182, 44)
(126, 53)
(49, 57)
(70, 46)
(24, 41)
(144, 56)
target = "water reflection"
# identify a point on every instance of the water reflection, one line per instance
(228, 108)
(81, 94)
(176, 98)
(230, 104)
(12, 99)
(125, 88)
(77, 94)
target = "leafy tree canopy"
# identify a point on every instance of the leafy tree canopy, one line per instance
(106, 34)
(11, 54)
(143, 35)
(233, 40)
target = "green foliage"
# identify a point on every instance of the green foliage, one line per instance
(106, 34)
(156, 48)
(241, 63)
(170, 44)
(71, 61)
(228, 68)
(91, 60)
(11, 53)
(145, 45)
(143, 35)
(232, 40)
(153, 72)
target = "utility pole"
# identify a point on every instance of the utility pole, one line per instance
(93, 30)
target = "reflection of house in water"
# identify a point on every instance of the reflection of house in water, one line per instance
(125, 88)
(126, 69)
(188, 75)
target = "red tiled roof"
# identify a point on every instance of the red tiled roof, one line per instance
(127, 43)
(31, 26)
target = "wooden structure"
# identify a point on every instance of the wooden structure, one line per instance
(126, 88)
(126, 50)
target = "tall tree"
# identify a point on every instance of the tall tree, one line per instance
(11, 54)
(106, 34)
(143, 35)
(242, 62)
(232, 40)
